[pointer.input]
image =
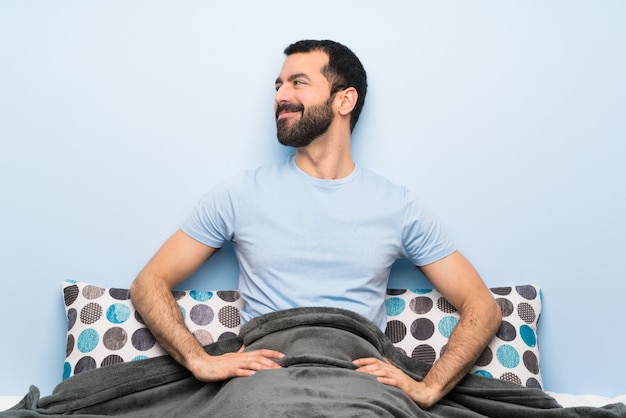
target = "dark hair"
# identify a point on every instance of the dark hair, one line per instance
(344, 69)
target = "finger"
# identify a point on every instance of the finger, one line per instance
(262, 360)
(270, 353)
(378, 368)
(244, 372)
(388, 381)
(265, 352)
(266, 363)
(366, 361)
(374, 369)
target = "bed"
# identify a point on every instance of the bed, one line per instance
(566, 400)
(104, 333)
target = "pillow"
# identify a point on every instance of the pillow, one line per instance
(103, 327)
(419, 323)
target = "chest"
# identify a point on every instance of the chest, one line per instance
(309, 226)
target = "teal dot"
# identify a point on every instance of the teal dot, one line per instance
(507, 356)
(67, 370)
(483, 373)
(446, 325)
(200, 296)
(528, 335)
(421, 291)
(142, 357)
(183, 311)
(87, 340)
(394, 306)
(118, 313)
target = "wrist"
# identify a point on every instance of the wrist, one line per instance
(196, 365)
(425, 394)
(194, 360)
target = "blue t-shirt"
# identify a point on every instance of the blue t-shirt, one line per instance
(303, 241)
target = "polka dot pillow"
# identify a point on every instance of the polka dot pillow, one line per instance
(104, 328)
(419, 323)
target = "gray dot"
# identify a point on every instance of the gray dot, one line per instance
(201, 314)
(421, 305)
(142, 339)
(84, 364)
(115, 338)
(506, 332)
(71, 318)
(203, 336)
(422, 329)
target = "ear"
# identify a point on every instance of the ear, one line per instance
(348, 98)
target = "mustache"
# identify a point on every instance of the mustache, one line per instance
(289, 107)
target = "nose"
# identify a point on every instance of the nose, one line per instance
(283, 94)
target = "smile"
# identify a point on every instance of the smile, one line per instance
(286, 113)
(286, 109)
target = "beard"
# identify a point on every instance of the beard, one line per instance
(313, 123)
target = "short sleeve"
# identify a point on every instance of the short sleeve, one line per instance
(424, 239)
(212, 221)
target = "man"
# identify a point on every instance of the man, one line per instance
(316, 230)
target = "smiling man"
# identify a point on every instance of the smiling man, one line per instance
(316, 230)
(294, 89)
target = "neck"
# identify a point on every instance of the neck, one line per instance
(328, 157)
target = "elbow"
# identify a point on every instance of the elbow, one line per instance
(496, 317)
(135, 289)
(139, 287)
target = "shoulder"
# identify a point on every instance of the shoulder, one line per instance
(235, 181)
(268, 170)
(378, 183)
(397, 195)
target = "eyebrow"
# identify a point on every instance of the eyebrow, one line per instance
(293, 77)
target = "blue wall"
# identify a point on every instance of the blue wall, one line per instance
(507, 118)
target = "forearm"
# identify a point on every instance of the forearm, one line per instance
(155, 303)
(476, 328)
(151, 294)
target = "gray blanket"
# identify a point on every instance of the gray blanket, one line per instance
(317, 380)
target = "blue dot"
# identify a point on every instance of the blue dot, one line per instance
(528, 335)
(446, 325)
(67, 370)
(394, 306)
(483, 373)
(507, 356)
(200, 296)
(87, 340)
(118, 313)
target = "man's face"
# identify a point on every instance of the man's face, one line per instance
(303, 105)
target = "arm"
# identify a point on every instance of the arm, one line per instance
(151, 295)
(460, 284)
